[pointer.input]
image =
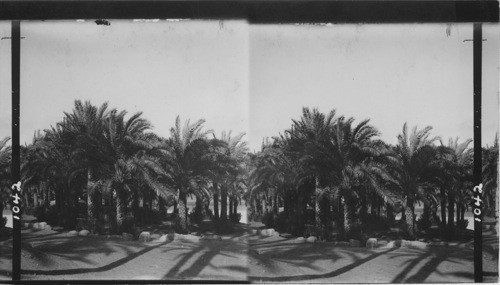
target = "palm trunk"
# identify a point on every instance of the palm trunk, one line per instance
(73, 203)
(135, 205)
(451, 215)
(317, 208)
(199, 208)
(269, 205)
(93, 203)
(59, 208)
(300, 214)
(223, 203)
(276, 205)
(389, 211)
(462, 213)
(25, 200)
(289, 210)
(35, 198)
(235, 206)
(264, 205)
(216, 201)
(255, 210)
(347, 216)
(231, 204)
(364, 209)
(183, 224)
(426, 217)
(121, 210)
(45, 195)
(206, 208)
(443, 208)
(150, 202)
(340, 217)
(451, 210)
(410, 219)
(1, 216)
(161, 206)
(286, 204)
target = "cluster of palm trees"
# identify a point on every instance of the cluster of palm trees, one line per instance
(328, 171)
(325, 173)
(112, 166)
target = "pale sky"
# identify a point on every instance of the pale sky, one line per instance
(254, 78)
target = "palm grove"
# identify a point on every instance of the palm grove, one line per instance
(327, 176)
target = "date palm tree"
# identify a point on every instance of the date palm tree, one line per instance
(357, 167)
(278, 170)
(48, 167)
(414, 165)
(312, 130)
(235, 152)
(460, 169)
(184, 163)
(220, 167)
(84, 128)
(130, 150)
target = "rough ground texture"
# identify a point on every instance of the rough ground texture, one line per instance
(240, 256)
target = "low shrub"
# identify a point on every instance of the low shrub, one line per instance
(196, 215)
(281, 222)
(310, 216)
(147, 216)
(311, 230)
(356, 232)
(40, 213)
(49, 215)
(254, 216)
(209, 214)
(235, 217)
(374, 223)
(65, 217)
(223, 226)
(268, 220)
(128, 226)
(462, 225)
(82, 224)
(424, 221)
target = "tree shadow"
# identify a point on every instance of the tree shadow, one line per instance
(411, 264)
(300, 255)
(437, 256)
(6, 259)
(209, 250)
(76, 249)
(304, 277)
(130, 256)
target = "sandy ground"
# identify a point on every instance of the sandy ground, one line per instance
(51, 255)
(281, 261)
(58, 256)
